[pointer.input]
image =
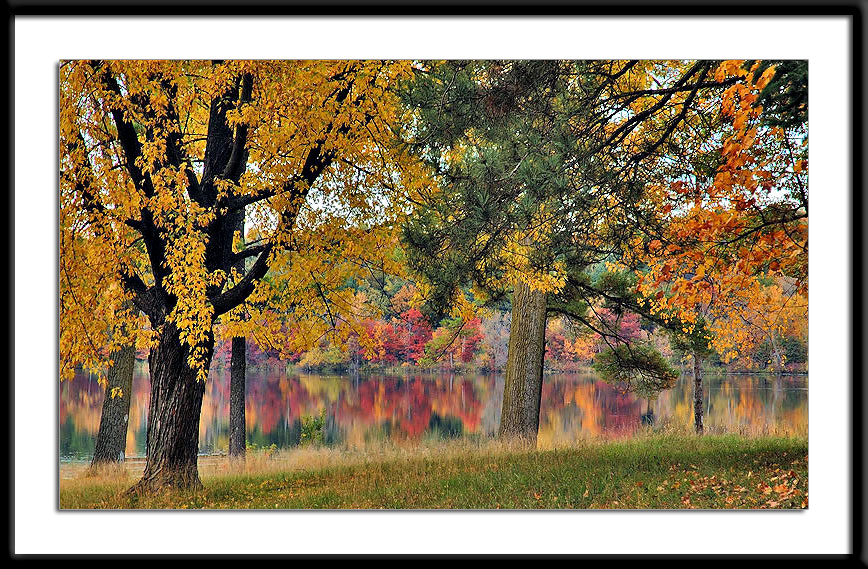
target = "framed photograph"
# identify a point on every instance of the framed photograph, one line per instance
(542, 280)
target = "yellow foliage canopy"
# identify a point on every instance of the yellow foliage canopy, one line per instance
(162, 162)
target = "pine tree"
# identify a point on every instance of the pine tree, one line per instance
(543, 170)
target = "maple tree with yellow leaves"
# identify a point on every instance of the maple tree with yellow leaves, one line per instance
(160, 161)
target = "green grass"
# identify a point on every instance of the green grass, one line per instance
(656, 471)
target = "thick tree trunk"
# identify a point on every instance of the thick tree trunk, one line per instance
(519, 417)
(697, 393)
(173, 415)
(237, 419)
(111, 440)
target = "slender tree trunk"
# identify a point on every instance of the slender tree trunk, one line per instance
(697, 393)
(237, 419)
(522, 389)
(776, 354)
(237, 381)
(111, 440)
(173, 415)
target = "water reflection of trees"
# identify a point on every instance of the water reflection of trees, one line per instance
(409, 408)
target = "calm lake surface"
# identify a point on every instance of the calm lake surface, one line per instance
(419, 407)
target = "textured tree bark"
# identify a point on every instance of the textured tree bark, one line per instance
(111, 439)
(519, 417)
(173, 415)
(237, 376)
(697, 393)
(237, 419)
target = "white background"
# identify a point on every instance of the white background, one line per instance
(40, 528)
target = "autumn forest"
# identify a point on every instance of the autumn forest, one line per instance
(505, 252)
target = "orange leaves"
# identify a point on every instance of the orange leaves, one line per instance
(701, 273)
(765, 78)
(761, 496)
(740, 120)
(729, 68)
(581, 348)
(666, 270)
(679, 187)
(749, 137)
(737, 250)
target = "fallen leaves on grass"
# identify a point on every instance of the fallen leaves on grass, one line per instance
(776, 491)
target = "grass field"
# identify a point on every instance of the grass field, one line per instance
(656, 471)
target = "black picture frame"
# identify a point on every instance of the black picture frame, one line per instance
(852, 9)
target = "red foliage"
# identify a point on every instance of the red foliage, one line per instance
(470, 341)
(417, 332)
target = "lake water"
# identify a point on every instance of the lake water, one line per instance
(419, 407)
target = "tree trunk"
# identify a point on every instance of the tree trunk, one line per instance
(237, 420)
(697, 393)
(237, 381)
(173, 415)
(111, 440)
(522, 389)
(776, 355)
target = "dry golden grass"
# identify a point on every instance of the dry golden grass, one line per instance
(312, 458)
(300, 459)
(663, 469)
